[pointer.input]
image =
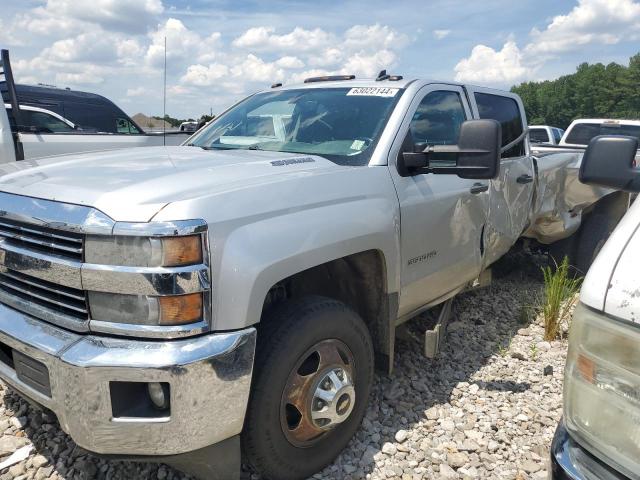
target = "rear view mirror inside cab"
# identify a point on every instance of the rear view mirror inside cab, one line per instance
(476, 156)
(610, 162)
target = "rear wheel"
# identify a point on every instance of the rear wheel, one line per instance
(583, 247)
(314, 369)
(594, 233)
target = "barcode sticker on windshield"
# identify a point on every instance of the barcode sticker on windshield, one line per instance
(374, 91)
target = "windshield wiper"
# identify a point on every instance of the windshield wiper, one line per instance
(211, 147)
(254, 147)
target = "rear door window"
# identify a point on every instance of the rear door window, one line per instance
(557, 134)
(44, 122)
(505, 110)
(538, 135)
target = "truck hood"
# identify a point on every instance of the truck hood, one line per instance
(134, 184)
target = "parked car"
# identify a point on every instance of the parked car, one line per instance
(184, 304)
(188, 127)
(582, 131)
(544, 134)
(54, 121)
(598, 436)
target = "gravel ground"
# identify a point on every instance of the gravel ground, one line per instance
(487, 407)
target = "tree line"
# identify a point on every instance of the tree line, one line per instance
(594, 91)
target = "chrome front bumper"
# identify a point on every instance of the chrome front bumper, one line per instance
(209, 378)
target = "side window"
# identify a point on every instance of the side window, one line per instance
(557, 135)
(438, 118)
(538, 135)
(44, 122)
(505, 110)
(123, 125)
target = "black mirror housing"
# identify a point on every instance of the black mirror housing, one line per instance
(479, 143)
(477, 154)
(609, 161)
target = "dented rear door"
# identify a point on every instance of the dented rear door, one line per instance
(511, 194)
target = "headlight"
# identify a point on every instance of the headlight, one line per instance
(602, 387)
(146, 310)
(143, 251)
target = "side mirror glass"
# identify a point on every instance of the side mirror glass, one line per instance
(609, 161)
(477, 154)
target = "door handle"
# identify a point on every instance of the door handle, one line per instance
(479, 188)
(524, 179)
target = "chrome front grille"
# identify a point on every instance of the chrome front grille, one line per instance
(56, 298)
(46, 240)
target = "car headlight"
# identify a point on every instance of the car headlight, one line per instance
(602, 388)
(143, 251)
(175, 266)
(146, 310)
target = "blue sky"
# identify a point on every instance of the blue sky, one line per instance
(219, 51)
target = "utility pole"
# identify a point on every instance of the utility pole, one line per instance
(164, 99)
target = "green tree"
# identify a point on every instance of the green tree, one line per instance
(595, 90)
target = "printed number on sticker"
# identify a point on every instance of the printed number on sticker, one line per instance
(373, 91)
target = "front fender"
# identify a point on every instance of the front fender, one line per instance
(258, 255)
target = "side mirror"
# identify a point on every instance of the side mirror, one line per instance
(609, 161)
(477, 154)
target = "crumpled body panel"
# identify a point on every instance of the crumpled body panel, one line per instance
(560, 198)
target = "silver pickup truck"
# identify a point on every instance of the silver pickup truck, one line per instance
(184, 304)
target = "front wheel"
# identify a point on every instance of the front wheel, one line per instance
(314, 370)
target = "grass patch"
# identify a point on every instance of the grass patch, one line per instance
(559, 295)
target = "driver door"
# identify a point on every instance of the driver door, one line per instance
(442, 216)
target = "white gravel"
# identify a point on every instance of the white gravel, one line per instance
(483, 409)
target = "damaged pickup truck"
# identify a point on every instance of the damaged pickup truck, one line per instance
(186, 304)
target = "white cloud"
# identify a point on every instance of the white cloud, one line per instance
(366, 37)
(94, 47)
(183, 45)
(290, 62)
(299, 39)
(201, 75)
(368, 65)
(327, 57)
(440, 34)
(591, 21)
(362, 50)
(486, 65)
(118, 15)
(254, 69)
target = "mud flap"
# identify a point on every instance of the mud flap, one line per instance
(433, 339)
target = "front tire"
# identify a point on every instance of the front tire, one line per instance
(314, 370)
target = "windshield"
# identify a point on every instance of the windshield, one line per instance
(340, 124)
(582, 133)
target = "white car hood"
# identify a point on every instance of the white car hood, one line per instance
(613, 282)
(134, 184)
